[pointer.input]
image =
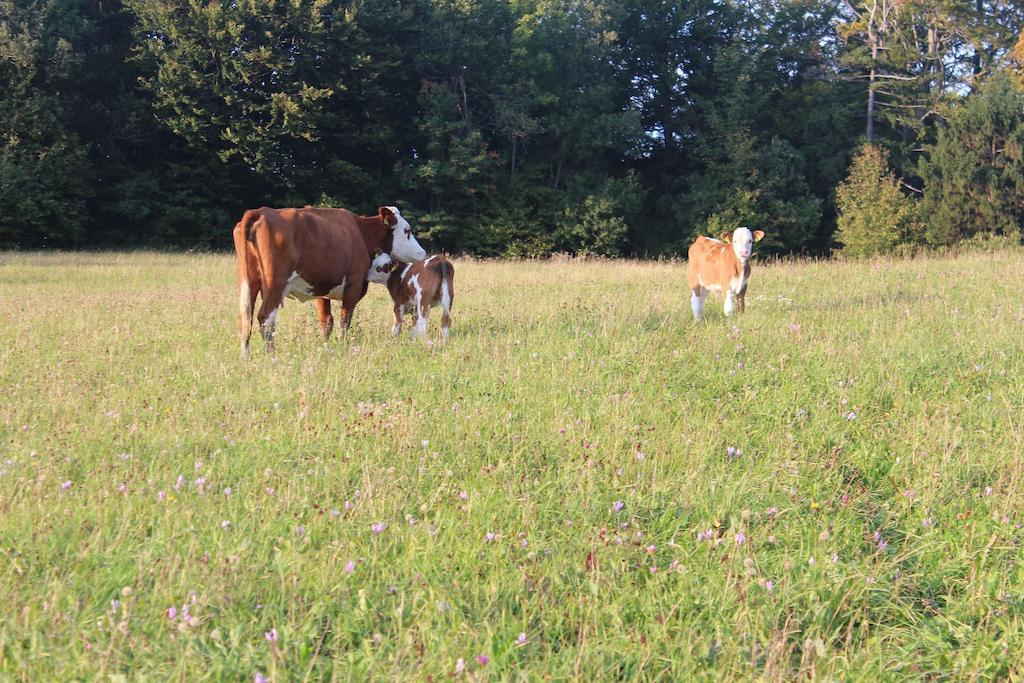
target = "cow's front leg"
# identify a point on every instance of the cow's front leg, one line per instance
(353, 293)
(741, 299)
(397, 329)
(729, 307)
(323, 311)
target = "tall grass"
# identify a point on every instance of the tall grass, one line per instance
(582, 483)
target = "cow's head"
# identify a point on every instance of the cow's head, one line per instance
(742, 241)
(380, 269)
(404, 246)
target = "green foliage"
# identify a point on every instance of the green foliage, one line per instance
(43, 164)
(616, 126)
(875, 216)
(974, 174)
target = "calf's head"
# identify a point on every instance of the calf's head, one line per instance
(742, 241)
(402, 243)
(380, 269)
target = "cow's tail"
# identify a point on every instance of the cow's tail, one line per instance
(446, 273)
(248, 283)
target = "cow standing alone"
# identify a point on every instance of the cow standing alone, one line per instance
(417, 288)
(721, 266)
(304, 254)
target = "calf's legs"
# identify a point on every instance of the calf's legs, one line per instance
(697, 296)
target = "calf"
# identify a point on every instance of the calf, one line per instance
(417, 287)
(721, 266)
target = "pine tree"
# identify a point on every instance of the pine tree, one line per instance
(974, 173)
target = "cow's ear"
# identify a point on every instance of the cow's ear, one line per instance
(758, 234)
(726, 237)
(387, 216)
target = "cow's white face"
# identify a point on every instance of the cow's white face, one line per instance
(743, 242)
(404, 246)
(380, 269)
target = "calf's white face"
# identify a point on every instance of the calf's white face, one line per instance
(404, 246)
(743, 242)
(380, 269)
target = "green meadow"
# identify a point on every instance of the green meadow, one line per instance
(582, 484)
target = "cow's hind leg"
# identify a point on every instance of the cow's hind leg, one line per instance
(247, 292)
(697, 296)
(273, 296)
(422, 309)
(323, 311)
(446, 323)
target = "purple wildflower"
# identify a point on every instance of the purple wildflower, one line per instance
(350, 567)
(271, 635)
(483, 660)
(618, 505)
(172, 613)
(740, 538)
(66, 485)
(377, 527)
(521, 640)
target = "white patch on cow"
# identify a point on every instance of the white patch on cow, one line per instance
(729, 308)
(298, 289)
(269, 324)
(429, 259)
(380, 269)
(417, 300)
(337, 292)
(742, 243)
(736, 283)
(404, 246)
(715, 287)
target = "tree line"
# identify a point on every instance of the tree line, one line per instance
(516, 127)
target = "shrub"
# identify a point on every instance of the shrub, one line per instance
(875, 216)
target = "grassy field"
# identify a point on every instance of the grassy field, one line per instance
(582, 484)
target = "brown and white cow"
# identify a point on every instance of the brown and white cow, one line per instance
(721, 266)
(319, 254)
(417, 287)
